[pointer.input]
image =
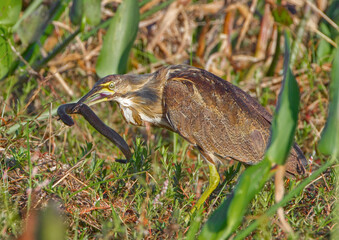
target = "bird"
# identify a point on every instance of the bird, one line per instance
(218, 118)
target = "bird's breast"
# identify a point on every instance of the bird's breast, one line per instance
(154, 120)
(131, 116)
(138, 118)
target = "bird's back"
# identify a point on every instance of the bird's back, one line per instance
(219, 118)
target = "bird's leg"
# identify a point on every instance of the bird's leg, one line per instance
(214, 180)
(213, 183)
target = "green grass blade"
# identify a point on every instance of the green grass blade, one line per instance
(92, 12)
(229, 215)
(9, 11)
(285, 119)
(103, 25)
(50, 224)
(156, 9)
(57, 49)
(6, 55)
(329, 142)
(35, 24)
(30, 9)
(119, 39)
(195, 225)
(76, 11)
(284, 201)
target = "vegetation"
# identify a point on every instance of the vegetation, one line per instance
(64, 182)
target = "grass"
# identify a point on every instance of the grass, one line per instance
(146, 198)
(44, 162)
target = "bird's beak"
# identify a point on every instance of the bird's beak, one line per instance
(99, 93)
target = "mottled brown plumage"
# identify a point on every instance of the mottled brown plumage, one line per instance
(220, 119)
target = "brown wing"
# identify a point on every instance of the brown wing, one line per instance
(215, 116)
(253, 104)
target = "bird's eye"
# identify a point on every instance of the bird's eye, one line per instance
(111, 86)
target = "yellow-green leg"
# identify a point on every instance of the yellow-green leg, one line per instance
(213, 183)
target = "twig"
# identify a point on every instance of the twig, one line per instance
(57, 75)
(24, 60)
(327, 39)
(50, 130)
(72, 168)
(299, 35)
(279, 194)
(322, 14)
(246, 24)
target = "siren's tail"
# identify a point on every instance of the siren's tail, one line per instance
(296, 163)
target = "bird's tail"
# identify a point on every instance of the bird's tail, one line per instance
(296, 163)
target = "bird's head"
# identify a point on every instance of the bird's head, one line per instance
(111, 87)
(103, 90)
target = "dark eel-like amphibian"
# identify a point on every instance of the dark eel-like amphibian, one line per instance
(95, 121)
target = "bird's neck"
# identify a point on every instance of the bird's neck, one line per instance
(144, 104)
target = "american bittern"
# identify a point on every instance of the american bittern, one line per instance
(218, 118)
